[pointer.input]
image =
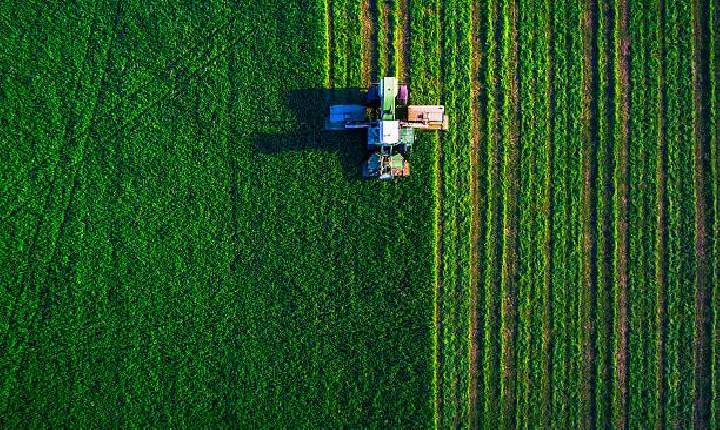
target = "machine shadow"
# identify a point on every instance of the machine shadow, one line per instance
(309, 107)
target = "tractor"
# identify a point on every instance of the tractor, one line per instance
(390, 123)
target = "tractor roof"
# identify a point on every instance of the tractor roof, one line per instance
(390, 132)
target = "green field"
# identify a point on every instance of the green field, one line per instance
(181, 247)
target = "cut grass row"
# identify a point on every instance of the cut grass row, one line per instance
(535, 214)
(619, 347)
(680, 215)
(642, 379)
(455, 27)
(425, 75)
(493, 239)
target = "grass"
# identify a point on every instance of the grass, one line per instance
(173, 277)
(182, 247)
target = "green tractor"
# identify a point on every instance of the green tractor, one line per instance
(390, 124)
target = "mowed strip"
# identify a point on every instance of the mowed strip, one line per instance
(510, 187)
(493, 240)
(456, 37)
(478, 183)
(425, 75)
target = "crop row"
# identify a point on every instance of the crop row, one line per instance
(643, 213)
(533, 355)
(489, 379)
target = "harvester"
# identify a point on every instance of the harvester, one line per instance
(390, 123)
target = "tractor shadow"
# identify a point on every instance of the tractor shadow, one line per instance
(309, 108)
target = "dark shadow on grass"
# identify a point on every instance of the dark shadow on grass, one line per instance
(309, 108)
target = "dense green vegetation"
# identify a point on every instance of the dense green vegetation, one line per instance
(181, 247)
(178, 249)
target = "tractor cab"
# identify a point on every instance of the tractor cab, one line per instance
(390, 122)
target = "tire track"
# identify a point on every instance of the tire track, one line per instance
(183, 73)
(27, 282)
(72, 137)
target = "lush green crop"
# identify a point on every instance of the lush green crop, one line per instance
(182, 246)
(170, 257)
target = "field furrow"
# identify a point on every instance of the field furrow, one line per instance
(606, 224)
(573, 129)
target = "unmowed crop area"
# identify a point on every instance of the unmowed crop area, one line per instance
(181, 246)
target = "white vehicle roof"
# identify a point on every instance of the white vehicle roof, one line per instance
(390, 132)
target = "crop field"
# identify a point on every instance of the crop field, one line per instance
(181, 246)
